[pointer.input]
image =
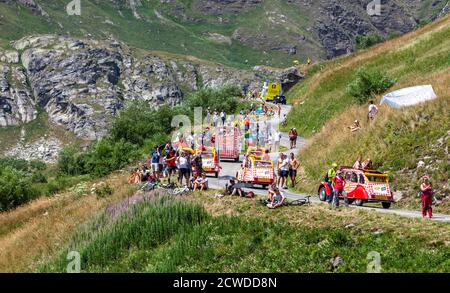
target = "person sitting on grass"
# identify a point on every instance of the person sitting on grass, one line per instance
(192, 181)
(355, 126)
(204, 182)
(277, 198)
(201, 183)
(233, 190)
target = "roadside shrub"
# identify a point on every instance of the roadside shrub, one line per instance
(15, 188)
(38, 177)
(107, 156)
(223, 99)
(138, 122)
(79, 190)
(369, 82)
(363, 42)
(71, 161)
(102, 190)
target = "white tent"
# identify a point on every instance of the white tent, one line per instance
(409, 96)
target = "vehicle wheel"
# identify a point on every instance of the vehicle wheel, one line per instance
(322, 194)
(216, 175)
(236, 159)
(386, 204)
(265, 186)
(359, 202)
(350, 200)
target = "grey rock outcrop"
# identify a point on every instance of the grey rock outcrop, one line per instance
(45, 149)
(82, 84)
(16, 103)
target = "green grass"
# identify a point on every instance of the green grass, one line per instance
(329, 98)
(169, 235)
(397, 139)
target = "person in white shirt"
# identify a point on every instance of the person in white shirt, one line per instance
(372, 111)
(276, 140)
(284, 170)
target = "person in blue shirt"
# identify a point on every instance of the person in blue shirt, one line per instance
(155, 162)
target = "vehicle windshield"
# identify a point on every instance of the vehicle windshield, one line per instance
(263, 164)
(377, 178)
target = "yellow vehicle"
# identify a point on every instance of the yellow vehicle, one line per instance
(255, 171)
(272, 90)
(255, 152)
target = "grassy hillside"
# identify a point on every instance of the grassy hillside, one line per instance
(187, 27)
(183, 236)
(398, 139)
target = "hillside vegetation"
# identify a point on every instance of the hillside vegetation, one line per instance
(204, 234)
(237, 33)
(397, 140)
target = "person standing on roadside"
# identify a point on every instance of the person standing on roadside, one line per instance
(183, 166)
(279, 111)
(293, 166)
(155, 162)
(284, 171)
(171, 163)
(339, 184)
(329, 179)
(426, 195)
(291, 138)
(294, 130)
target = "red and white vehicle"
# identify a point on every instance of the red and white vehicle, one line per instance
(227, 142)
(363, 186)
(256, 171)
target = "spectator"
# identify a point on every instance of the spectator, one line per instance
(183, 166)
(223, 117)
(293, 166)
(284, 171)
(203, 182)
(277, 198)
(338, 186)
(171, 163)
(367, 164)
(291, 138)
(329, 179)
(155, 162)
(373, 110)
(358, 163)
(295, 136)
(266, 156)
(355, 126)
(426, 195)
(276, 141)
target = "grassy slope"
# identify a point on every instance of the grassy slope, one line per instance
(398, 138)
(239, 235)
(150, 32)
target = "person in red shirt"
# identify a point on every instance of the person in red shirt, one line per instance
(338, 187)
(171, 163)
(426, 194)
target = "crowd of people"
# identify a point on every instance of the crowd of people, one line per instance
(166, 162)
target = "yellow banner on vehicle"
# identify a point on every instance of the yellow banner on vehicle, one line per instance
(273, 90)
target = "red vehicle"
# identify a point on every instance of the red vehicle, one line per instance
(363, 186)
(228, 143)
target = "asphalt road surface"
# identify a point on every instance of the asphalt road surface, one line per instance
(230, 168)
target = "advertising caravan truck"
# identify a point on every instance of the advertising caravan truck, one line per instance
(271, 91)
(228, 143)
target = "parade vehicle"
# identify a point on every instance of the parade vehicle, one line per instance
(256, 171)
(280, 100)
(228, 143)
(210, 160)
(363, 186)
(270, 91)
(255, 152)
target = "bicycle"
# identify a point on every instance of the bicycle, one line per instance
(180, 190)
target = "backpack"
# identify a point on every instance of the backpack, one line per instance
(250, 194)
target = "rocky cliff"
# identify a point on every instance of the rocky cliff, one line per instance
(82, 84)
